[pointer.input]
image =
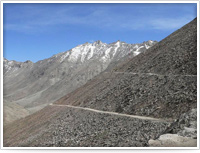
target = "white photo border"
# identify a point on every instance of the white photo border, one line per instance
(104, 148)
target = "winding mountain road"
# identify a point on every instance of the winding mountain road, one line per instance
(150, 74)
(111, 113)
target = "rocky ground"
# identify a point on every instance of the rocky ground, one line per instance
(181, 133)
(159, 96)
(173, 140)
(159, 83)
(75, 128)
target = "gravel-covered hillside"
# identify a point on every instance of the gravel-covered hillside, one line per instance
(159, 96)
(166, 93)
(56, 126)
(174, 55)
(147, 97)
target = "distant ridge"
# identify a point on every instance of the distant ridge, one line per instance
(159, 83)
(31, 85)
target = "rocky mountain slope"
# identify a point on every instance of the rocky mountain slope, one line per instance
(181, 133)
(35, 85)
(153, 92)
(163, 89)
(56, 126)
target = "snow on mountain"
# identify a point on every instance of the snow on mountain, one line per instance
(31, 84)
(102, 51)
(86, 52)
(12, 66)
(64, 56)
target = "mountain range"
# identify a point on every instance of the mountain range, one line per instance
(32, 86)
(133, 101)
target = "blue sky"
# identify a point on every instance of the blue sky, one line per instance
(38, 31)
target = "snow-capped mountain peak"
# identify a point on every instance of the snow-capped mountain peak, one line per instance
(96, 51)
(104, 52)
(98, 42)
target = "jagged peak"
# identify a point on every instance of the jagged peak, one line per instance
(28, 61)
(16, 62)
(84, 48)
(150, 41)
(116, 42)
(86, 43)
(98, 42)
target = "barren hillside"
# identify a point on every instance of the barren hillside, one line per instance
(139, 100)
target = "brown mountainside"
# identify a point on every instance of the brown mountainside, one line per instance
(164, 85)
(160, 83)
